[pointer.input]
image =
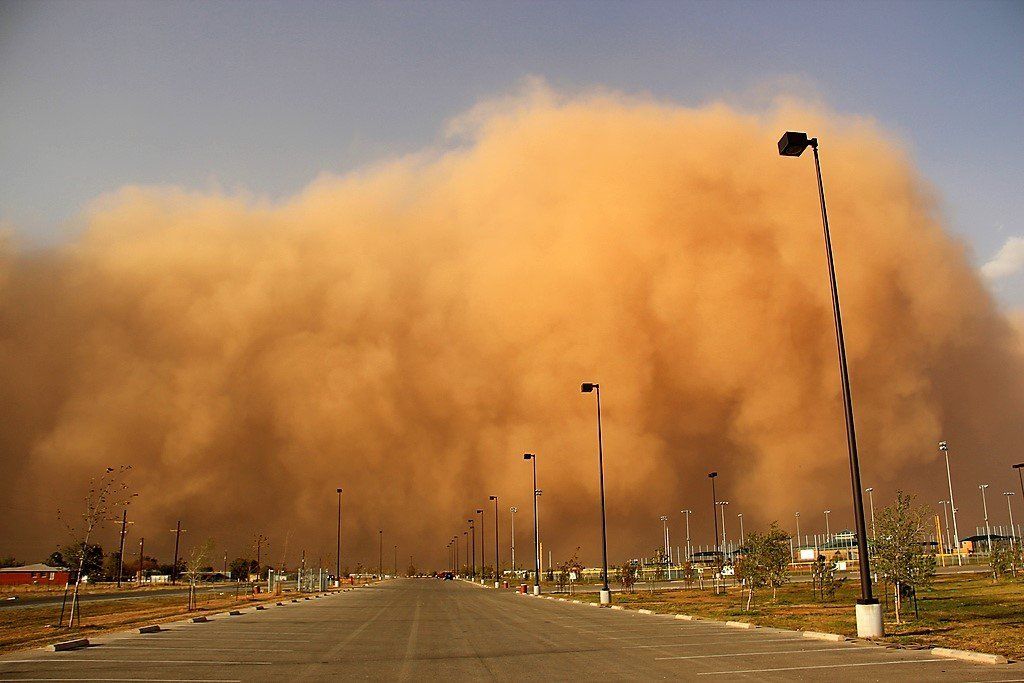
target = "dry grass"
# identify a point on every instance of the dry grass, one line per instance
(34, 626)
(968, 612)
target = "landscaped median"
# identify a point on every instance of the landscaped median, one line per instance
(963, 613)
(33, 626)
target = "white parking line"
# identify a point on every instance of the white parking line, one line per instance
(822, 666)
(755, 654)
(731, 641)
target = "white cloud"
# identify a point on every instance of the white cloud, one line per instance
(1009, 260)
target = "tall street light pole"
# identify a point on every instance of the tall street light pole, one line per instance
(686, 514)
(1020, 477)
(483, 536)
(512, 516)
(871, 503)
(828, 530)
(497, 559)
(465, 541)
(380, 556)
(472, 537)
(337, 556)
(869, 612)
(944, 447)
(714, 509)
(988, 529)
(664, 533)
(743, 535)
(536, 527)
(725, 543)
(606, 593)
(1009, 509)
(797, 515)
(945, 519)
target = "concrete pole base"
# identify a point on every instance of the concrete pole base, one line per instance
(869, 621)
(497, 584)
(606, 597)
(536, 590)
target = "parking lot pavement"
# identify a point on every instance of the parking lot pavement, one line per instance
(427, 629)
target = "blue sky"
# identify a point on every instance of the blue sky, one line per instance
(265, 96)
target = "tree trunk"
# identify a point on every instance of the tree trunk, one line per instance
(750, 596)
(897, 601)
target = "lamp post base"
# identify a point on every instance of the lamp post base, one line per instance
(497, 584)
(606, 597)
(869, 620)
(536, 590)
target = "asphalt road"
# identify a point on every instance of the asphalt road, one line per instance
(425, 629)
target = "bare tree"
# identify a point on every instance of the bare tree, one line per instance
(107, 494)
(198, 559)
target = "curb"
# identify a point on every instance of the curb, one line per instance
(740, 624)
(234, 613)
(968, 656)
(817, 635)
(686, 617)
(617, 607)
(645, 611)
(155, 628)
(70, 645)
(199, 620)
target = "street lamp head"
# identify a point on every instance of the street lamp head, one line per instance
(537, 492)
(982, 486)
(1018, 465)
(513, 510)
(797, 514)
(793, 144)
(492, 498)
(528, 456)
(588, 387)
(943, 446)
(339, 490)
(712, 475)
(663, 518)
(1008, 493)
(479, 512)
(869, 489)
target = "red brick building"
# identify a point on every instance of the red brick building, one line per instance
(34, 574)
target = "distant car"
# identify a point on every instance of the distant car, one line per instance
(448, 576)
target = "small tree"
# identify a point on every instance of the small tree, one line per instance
(106, 495)
(1005, 558)
(898, 548)
(689, 573)
(628, 576)
(826, 580)
(198, 561)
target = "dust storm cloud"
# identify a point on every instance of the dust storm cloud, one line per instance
(409, 330)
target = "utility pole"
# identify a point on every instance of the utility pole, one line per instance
(120, 553)
(177, 537)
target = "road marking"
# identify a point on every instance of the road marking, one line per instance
(718, 642)
(823, 666)
(755, 654)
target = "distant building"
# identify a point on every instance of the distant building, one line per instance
(34, 575)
